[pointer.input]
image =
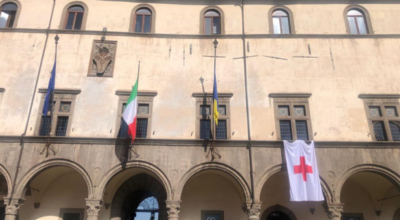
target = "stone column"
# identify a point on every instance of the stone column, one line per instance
(334, 210)
(12, 207)
(173, 209)
(253, 210)
(93, 207)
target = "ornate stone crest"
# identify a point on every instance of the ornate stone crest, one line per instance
(102, 59)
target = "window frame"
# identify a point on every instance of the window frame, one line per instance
(143, 21)
(202, 19)
(133, 18)
(367, 19)
(143, 98)
(212, 21)
(291, 101)
(206, 99)
(292, 29)
(17, 12)
(59, 96)
(382, 103)
(75, 15)
(64, 211)
(280, 20)
(64, 15)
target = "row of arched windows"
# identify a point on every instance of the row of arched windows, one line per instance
(282, 20)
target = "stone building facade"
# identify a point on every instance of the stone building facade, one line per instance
(323, 71)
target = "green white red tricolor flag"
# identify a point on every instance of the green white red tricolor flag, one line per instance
(130, 112)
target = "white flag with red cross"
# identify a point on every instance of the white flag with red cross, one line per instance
(303, 172)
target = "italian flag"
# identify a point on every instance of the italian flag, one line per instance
(130, 112)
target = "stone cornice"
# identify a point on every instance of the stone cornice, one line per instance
(289, 95)
(140, 93)
(220, 94)
(379, 96)
(2, 89)
(62, 91)
(195, 142)
(198, 36)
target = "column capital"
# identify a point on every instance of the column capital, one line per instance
(93, 207)
(334, 210)
(253, 210)
(13, 205)
(173, 209)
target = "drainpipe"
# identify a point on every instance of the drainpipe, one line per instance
(12, 216)
(247, 107)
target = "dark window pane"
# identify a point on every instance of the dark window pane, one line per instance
(65, 107)
(379, 130)
(375, 111)
(299, 110)
(147, 24)
(45, 126)
(302, 131)
(9, 7)
(11, 19)
(391, 111)
(62, 124)
(221, 130)
(283, 110)
(351, 218)
(138, 23)
(212, 217)
(222, 110)
(216, 25)
(71, 216)
(286, 130)
(123, 129)
(143, 109)
(205, 129)
(395, 129)
(207, 26)
(205, 110)
(78, 21)
(76, 8)
(70, 21)
(141, 129)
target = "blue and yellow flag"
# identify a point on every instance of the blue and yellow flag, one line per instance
(215, 99)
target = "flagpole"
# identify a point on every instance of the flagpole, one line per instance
(56, 38)
(215, 78)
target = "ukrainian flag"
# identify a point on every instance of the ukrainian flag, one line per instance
(215, 99)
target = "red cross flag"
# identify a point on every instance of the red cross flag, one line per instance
(303, 173)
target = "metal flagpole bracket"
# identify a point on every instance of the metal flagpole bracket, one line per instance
(133, 151)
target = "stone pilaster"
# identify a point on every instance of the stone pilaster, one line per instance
(93, 208)
(334, 210)
(253, 210)
(12, 207)
(173, 209)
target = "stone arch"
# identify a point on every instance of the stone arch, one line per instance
(38, 168)
(65, 12)
(385, 172)
(366, 16)
(136, 189)
(101, 186)
(279, 208)
(153, 17)
(280, 167)
(290, 14)
(7, 176)
(221, 13)
(213, 166)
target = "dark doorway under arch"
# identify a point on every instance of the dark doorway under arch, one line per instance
(278, 215)
(278, 212)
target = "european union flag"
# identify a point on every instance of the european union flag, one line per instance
(50, 90)
(215, 99)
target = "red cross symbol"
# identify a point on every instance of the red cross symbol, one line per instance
(303, 168)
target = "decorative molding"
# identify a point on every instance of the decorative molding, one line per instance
(379, 96)
(2, 89)
(140, 93)
(289, 95)
(199, 36)
(208, 95)
(62, 91)
(195, 142)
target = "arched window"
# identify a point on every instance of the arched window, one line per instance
(143, 20)
(357, 22)
(212, 22)
(280, 21)
(74, 17)
(8, 14)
